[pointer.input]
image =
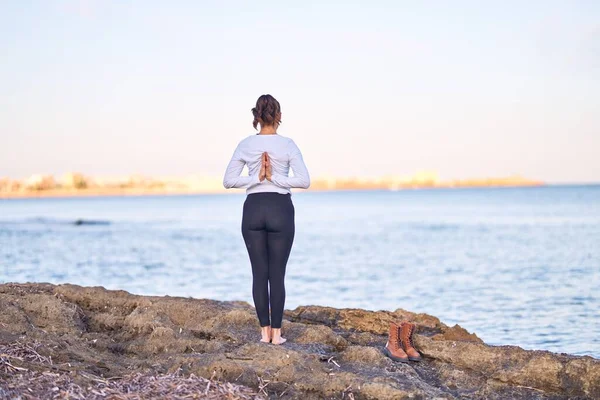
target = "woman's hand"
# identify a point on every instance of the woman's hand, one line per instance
(267, 166)
(263, 168)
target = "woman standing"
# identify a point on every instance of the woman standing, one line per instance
(268, 215)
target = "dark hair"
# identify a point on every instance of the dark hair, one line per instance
(267, 111)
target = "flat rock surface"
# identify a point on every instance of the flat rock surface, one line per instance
(93, 335)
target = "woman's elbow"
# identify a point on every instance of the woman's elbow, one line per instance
(305, 183)
(227, 183)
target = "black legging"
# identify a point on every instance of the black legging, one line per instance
(268, 229)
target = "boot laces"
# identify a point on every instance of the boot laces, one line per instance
(408, 339)
(399, 335)
(397, 340)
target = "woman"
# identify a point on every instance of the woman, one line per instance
(268, 215)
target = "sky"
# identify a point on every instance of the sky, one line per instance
(367, 88)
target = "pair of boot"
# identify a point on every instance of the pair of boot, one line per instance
(399, 346)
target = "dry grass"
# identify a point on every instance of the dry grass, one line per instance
(25, 374)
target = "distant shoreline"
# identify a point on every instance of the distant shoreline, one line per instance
(139, 192)
(75, 184)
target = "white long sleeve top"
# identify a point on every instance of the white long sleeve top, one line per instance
(283, 153)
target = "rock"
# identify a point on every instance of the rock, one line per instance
(330, 353)
(457, 333)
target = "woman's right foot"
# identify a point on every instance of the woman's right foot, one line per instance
(276, 336)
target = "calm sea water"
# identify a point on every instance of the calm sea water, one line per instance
(516, 266)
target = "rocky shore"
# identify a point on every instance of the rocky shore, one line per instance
(68, 341)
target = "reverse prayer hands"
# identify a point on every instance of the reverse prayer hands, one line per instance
(265, 167)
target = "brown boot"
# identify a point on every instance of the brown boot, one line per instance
(406, 341)
(392, 348)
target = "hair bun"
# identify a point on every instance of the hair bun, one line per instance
(267, 111)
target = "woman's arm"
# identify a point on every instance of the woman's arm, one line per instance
(301, 178)
(232, 178)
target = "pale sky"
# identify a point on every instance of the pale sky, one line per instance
(369, 88)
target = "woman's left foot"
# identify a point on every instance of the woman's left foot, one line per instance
(266, 334)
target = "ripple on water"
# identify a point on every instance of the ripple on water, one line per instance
(506, 264)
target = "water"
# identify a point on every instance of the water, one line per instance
(516, 266)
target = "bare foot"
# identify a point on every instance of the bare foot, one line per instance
(265, 332)
(276, 338)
